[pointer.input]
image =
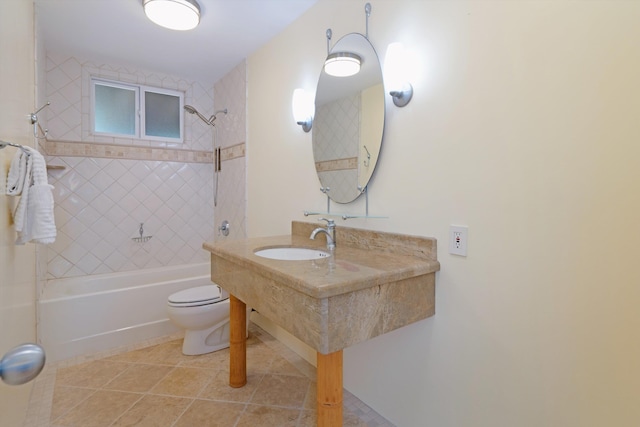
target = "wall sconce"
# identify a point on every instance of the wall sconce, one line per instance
(173, 14)
(395, 63)
(342, 64)
(303, 108)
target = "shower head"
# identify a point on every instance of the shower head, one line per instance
(191, 110)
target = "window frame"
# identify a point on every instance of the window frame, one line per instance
(140, 110)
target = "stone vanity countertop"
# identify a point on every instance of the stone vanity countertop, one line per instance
(362, 259)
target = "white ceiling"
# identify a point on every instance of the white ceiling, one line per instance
(118, 32)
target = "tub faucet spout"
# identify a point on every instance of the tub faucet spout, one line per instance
(330, 231)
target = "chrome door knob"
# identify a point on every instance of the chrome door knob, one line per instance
(22, 364)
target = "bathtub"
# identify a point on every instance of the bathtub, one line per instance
(92, 314)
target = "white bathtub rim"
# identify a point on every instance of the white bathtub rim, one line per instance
(76, 322)
(124, 289)
(81, 286)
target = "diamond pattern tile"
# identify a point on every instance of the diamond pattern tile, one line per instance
(100, 202)
(103, 212)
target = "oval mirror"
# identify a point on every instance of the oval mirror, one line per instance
(349, 122)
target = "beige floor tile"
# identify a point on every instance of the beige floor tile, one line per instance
(280, 365)
(259, 358)
(159, 386)
(187, 382)
(154, 411)
(100, 409)
(65, 398)
(134, 356)
(138, 378)
(218, 360)
(253, 339)
(308, 418)
(169, 353)
(268, 416)
(93, 374)
(219, 389)
(350, 420)
(207, 413)
(281, 390)
(310, 402)
(254, 343)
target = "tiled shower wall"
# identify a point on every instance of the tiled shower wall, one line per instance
(230, 93)
(111, 185)
(100, 204)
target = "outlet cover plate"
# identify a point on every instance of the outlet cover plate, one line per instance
(458, 237)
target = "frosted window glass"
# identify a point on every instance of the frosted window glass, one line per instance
(115, 110)
(162, 115)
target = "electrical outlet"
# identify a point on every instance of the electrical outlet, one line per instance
(458, 240)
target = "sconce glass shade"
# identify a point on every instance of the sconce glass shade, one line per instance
(395, 66)
(303, 108)
(342, 64)
(173, 14)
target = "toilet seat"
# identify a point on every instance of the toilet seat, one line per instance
(195, 297)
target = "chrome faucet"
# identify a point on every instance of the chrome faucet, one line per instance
(330, 231)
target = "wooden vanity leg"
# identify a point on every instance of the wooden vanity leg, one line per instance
(330, 389)
(237, 343)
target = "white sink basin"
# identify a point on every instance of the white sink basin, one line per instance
(292, 253)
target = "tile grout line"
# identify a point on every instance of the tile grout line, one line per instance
(93, 391)
(288, 358)
(273, 367)
(48, 379)
(126, 410)
(142, 395)
(183, 412)
(246, 404)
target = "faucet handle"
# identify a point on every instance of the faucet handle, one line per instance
(330, 222)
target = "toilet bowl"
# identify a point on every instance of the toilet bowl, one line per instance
(203, 312)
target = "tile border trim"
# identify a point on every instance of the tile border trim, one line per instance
(128, 152)
(233, 151)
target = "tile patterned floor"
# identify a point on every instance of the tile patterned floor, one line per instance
(159, 386)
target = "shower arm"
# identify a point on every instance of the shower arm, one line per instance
(215, 113)
(192, 110)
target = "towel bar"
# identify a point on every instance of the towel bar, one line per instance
(22, 147)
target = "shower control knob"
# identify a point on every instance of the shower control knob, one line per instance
(224, 228)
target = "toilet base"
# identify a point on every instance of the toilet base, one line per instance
(208, 340)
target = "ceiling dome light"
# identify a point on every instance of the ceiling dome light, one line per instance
(173, 14)
(342, 64)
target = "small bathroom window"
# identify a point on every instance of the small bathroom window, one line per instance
(162, 115)
(115, 109)
(135, 111)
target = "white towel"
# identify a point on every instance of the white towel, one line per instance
(39, 225)
(18, 184)
(17, 173)
(33, 217)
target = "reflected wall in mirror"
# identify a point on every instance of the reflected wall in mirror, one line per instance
(349, 122)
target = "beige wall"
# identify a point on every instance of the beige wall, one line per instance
(17, 263)
(524, 127)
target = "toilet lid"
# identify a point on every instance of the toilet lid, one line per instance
(200, 295)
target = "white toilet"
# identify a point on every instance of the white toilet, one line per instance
(203, 312)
